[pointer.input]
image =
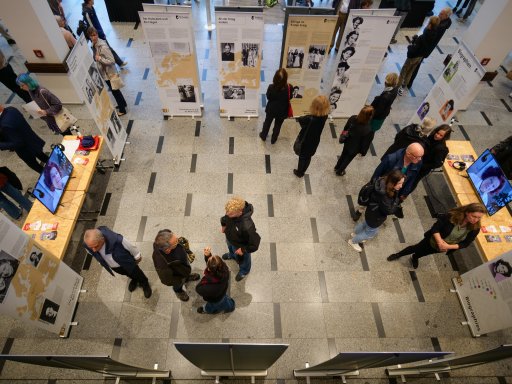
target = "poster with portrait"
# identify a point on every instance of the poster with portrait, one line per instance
(458, 80)
(239, 49)
(363, 46)
(304, 56)
(35, 286)
(93, 90)
(170, 37)
(485, 293)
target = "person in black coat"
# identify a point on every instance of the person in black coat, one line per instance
(312, 126)
(503, 154)
(453, 231)
(171, 262)
(382, 103)
(435, 152)
(420, 47)
(278, 100)
(214, 285)
(358, 140)
(384, 201)
(412, 133)
(17, 135)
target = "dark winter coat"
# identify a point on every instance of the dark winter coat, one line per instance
(311, 131)
(89, 14)
(423, 45)
(382, 103)
(16, 134)
(380, 205)
(359, 138)
(441, 29)
(503, 154)
(172, 268)
(277, 101)
(241, 231)
(212, 288)
(406, 136)
(435, 153)
(444, 227)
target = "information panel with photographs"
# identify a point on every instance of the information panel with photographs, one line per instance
(239, 49)
(35, 286)
(170, 37)
(458, 80)
(362, 49)
(304, 56)
(93, 90)
(485, 294)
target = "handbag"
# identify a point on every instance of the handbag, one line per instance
(184, 243)
(63, 118)
(343, 136)
(290, 110)
(116, 82)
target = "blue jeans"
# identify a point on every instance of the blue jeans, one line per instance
(226, 304)
(364, 232)
(243, 261)
(11, 209)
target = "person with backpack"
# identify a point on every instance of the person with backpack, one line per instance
(91, 19)
(382, 103)
(382, 200)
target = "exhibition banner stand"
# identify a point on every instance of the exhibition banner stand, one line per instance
(460, 77)
(485, 293)
(363, 46)
(239, 49)
(170, 36)
(35, 286)
(304, 54)
(93, 90)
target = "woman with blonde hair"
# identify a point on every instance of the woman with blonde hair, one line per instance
(454, 230)
(359, 138)
(413, 133)
(312, 126)
(382, 103)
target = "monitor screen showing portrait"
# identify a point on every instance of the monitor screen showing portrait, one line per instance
(53, 180)
(490, 182)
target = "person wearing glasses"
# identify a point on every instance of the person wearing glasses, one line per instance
(408, 161)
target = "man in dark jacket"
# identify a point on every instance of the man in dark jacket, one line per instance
(241, 235)
(17, 135)
(116, 254)
(171, 263)
(420, 47)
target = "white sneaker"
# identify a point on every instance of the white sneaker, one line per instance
(510, 95)
(355, 246)
(400, 91)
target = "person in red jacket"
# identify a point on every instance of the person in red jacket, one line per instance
(214, 285)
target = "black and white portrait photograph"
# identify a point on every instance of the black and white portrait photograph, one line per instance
(116, 122)
(187, 94)
(89, 90)
(110, 137)
(228, 51)
(35, 257)
(250, 52)
(96, 78)
(8, 268)
(49, 312)
(295, 57)
(316, 56)
(233, 92)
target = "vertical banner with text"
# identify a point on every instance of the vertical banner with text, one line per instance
(485, 293)
(239, 49)
(35, 286)
(460, 77)
(304, 56)
(93, 90)
(170, 37)
(363, 46)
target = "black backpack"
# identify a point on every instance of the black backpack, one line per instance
(82, 28)
(363, 198)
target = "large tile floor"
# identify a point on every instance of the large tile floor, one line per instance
(307, 287)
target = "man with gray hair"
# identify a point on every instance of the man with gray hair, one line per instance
(116, 254)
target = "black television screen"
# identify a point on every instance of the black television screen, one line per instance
(490, 183)
(53, 180)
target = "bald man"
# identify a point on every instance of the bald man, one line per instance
(116, 254)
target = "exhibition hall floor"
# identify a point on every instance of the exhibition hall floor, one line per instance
(308, 288)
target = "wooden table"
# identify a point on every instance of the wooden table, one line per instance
(72, 201)
(464, 193)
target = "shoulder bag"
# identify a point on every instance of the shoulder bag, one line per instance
(63, 118)
(344, 135)
(290, 110)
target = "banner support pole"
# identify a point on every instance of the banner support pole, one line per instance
(209, 26)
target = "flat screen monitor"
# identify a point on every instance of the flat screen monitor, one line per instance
(53, 180)
(490, 182)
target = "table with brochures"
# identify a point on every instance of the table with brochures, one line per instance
(53, 231)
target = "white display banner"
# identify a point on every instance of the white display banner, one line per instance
(363, 46)
(304, 56)
(170, 37)
(239, 48)
(93, 90)
(460, 77)
(35, 286)
(485, 294)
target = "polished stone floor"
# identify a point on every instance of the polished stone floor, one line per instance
(307, 287)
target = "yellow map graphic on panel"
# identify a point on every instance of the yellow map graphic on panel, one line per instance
(234, 73)
(174, 66)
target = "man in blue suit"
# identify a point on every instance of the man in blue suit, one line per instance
(116, 254)
(17, 135)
